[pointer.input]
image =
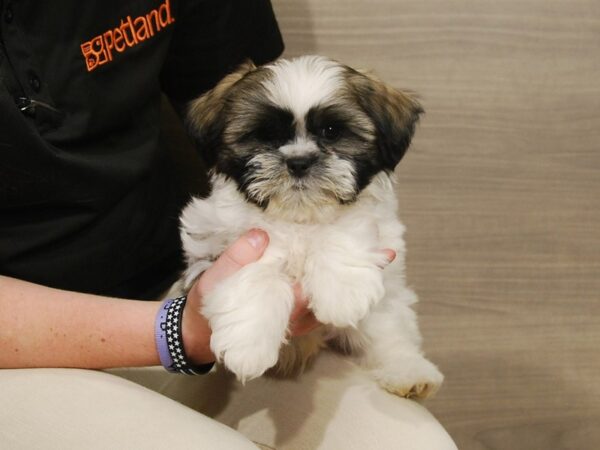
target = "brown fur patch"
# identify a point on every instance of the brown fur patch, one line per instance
(297, 355)
(205, 110)
(219, 113)
(395, 113)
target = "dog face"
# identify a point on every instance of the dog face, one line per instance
(304, 134)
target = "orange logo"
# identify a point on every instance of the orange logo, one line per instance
(130, 32)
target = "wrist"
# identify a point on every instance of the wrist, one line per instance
(196, 336)
(169, 339)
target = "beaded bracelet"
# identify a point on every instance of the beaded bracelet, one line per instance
(169, 340)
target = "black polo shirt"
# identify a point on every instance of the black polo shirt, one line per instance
(87, 200)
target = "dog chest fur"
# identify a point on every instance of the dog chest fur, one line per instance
(209, 225)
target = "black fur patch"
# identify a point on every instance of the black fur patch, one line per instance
(321, 120)
(349, 142)
(272, 125)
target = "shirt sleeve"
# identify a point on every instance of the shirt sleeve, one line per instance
(211, 38)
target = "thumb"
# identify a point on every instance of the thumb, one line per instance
(247, 249)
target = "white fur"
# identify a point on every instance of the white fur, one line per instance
(303, 82)
(300, 147)
(339, 265)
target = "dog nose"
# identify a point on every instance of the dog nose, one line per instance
(299, 165)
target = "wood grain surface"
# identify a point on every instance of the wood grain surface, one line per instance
(501, 197)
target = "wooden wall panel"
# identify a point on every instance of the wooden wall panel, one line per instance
(501, 197)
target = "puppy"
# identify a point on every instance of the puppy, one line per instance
(305, 149)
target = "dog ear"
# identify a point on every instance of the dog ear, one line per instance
(206, 114)
(394, 113)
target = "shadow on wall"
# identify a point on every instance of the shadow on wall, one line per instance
(296, 21)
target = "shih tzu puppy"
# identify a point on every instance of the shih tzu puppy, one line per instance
(305, 149)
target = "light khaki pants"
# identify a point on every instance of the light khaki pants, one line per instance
(333, 406)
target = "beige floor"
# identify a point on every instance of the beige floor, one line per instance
(501, 196)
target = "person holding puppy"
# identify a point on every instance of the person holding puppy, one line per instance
(89, 201)
(89, 195)
(87, 209)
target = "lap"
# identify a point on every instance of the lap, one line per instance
(332, 405)
(83, 409)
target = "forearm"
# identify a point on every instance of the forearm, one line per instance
(44, 327)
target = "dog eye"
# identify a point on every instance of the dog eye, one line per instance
(330, 132)
(265, 133)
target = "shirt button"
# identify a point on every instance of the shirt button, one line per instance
(8, 14)
(34, 82)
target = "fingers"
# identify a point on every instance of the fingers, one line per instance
(300, 303)
(390, 255)
(304, 324)
(247, 249)
(302, 320)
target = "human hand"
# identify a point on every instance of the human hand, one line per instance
(196, 329)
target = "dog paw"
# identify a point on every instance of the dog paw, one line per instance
(249, 362)
(412, 377)
(342, 295)
(246, 347)
(343, 299)
(248, 314)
